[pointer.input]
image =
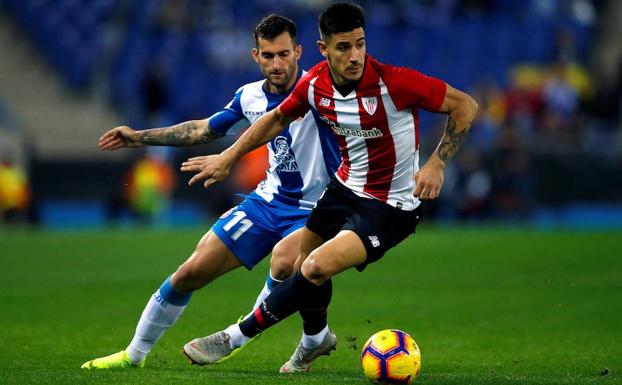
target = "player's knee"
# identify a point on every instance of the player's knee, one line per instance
(281, 265)
(281, 270)
(315, 271)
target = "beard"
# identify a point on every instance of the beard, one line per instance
(281, 80)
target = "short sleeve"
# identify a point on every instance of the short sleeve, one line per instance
(409, 88)
(297, 103)
(231, 118)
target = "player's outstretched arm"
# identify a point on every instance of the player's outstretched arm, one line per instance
(461, 109)
(215, 168)
(183, 134)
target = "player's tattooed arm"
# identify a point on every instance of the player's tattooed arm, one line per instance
(452, 139)
(215, 168)
(183, 134)
(461, 109)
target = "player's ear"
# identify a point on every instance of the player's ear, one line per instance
(321, 45)
(298, 51)
(255, 54)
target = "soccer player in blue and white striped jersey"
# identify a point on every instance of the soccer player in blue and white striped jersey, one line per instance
(302, 159)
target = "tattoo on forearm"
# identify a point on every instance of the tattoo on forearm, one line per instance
(182, 134)
(452, 139)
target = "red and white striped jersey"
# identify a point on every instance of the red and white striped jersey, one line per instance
(376, 125)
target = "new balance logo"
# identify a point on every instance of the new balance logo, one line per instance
(374, 240)
(324, 102)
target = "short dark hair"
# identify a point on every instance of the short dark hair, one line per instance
(272, 26)
(341, 17)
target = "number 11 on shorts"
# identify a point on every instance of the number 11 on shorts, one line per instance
(238, 216)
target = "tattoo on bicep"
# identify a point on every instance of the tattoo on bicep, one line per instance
(182, 134)
(452, 139)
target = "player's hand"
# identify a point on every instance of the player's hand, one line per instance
(210, 169)
(429, 179)
(119, 137)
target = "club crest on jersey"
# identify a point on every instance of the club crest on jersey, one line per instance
(370, 104)
(324, 102)
(284, 158)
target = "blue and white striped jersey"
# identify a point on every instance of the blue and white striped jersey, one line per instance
(302, 158)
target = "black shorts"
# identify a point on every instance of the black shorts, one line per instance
(379, 225)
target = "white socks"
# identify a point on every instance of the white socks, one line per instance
(311, 341)
(236, 339)
(162, 310)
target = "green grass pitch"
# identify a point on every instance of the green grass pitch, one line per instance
(486, 306)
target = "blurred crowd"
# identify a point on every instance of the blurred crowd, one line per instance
(553, 111)
(543, 102)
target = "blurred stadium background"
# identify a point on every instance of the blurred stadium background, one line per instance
(545, 151)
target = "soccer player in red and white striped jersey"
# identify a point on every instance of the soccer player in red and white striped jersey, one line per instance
(375, 121)
(373, 202)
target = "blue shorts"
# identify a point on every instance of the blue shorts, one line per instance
(252, 228)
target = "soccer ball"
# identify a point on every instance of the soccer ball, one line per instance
(391, 357)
